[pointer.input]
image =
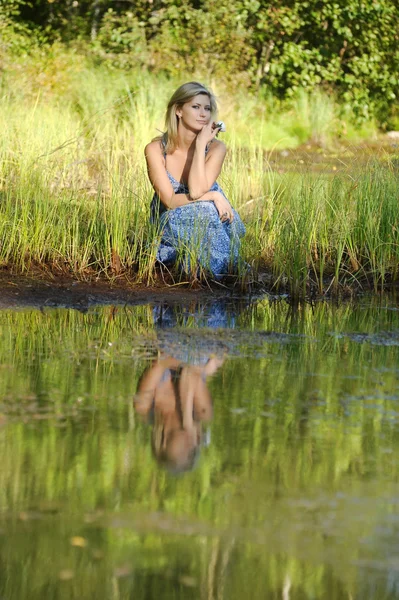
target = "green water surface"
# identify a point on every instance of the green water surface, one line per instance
(293, 490)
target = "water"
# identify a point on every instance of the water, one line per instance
(283, 485)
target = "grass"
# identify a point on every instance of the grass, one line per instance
(74, 194)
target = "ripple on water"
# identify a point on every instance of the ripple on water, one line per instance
(381, 338)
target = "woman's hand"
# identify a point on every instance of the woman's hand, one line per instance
(223, 207)
(207, 134)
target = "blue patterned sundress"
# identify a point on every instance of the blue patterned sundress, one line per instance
(195, 232)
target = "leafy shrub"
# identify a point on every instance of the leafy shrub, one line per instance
(350, 47)
(121, 40)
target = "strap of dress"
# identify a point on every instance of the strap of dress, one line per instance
(163, 144)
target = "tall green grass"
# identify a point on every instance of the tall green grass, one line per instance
(74, 193)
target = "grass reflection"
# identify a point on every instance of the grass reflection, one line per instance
(293, 493)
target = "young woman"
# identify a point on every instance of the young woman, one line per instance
(196, 219)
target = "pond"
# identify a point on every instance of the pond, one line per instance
(283, 478)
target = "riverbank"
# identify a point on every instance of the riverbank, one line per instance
(41, 291)
(318, 223)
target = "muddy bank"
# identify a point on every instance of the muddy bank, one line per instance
(18, 291)
(40, 290)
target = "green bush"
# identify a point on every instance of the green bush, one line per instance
(121, 40)
(349, 46)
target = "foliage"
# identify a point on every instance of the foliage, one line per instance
(211, 40)
(121, 41)
(281, 46)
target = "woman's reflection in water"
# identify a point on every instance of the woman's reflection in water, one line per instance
(174, 397)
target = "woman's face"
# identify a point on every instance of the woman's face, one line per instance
(196, 113)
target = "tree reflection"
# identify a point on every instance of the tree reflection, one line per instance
(174, 398)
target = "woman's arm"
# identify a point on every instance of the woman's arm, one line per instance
(163, 187)
(159, 178)
(154, 374)
(149, 382)
(205, 168)
(195, 396)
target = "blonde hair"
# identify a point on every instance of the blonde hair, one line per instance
(183, 94)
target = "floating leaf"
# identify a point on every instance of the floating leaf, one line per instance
(188, 581)
(123, 571)
(66, 575)
(79, 542)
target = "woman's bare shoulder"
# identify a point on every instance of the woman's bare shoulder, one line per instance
(217, 147)
(154, 148)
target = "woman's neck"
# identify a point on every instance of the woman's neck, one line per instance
(186, 138)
